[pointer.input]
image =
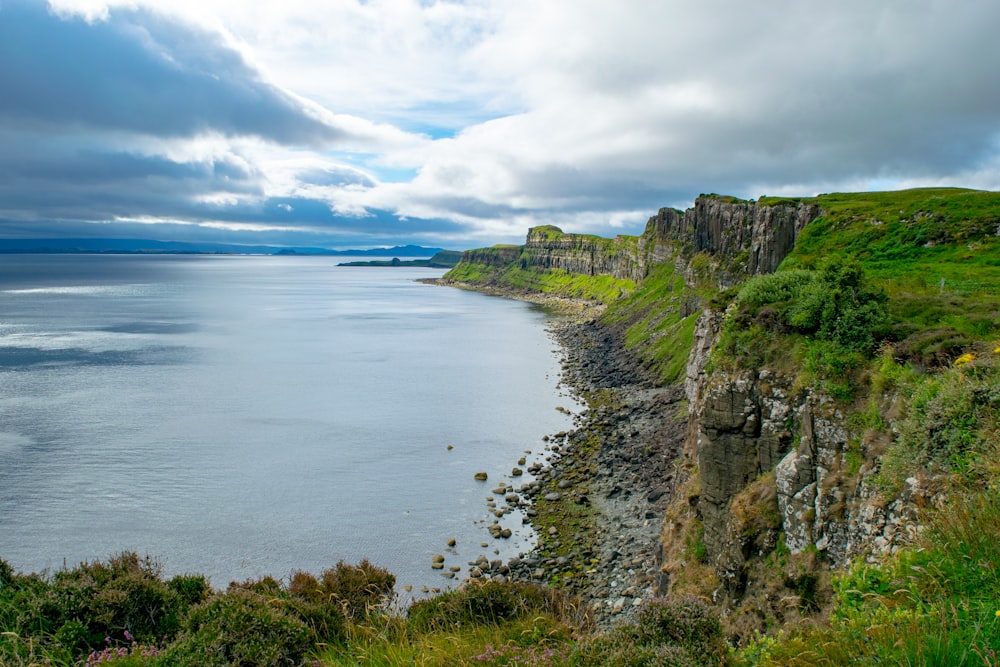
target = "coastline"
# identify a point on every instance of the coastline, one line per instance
(580, 309)
(598, 503)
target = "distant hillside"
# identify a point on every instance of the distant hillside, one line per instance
(148, 246)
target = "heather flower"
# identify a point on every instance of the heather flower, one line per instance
(115, 653)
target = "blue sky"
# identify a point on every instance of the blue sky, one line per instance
(461, 124)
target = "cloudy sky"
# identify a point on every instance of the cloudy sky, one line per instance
(357, 123)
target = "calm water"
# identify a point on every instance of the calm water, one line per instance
(242, 416)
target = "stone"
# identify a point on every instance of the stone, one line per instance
(481, 476)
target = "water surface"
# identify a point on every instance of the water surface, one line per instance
(242, 416)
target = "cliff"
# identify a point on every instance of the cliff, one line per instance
(803, 450)
(745, 237)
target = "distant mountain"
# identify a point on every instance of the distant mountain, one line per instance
(147, 246)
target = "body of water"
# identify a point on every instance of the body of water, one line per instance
(243, 416)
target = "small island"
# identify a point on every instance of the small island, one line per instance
(444, 259)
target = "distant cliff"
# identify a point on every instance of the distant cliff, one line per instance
(747, 237)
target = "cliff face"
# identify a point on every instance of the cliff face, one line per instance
(752, 238)
(496, 257)
(622, 257)
(775, 462)
(747, 237)
(765, 462)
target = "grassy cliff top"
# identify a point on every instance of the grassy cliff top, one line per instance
(917, 236)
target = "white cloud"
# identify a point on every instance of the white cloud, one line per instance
(592, 114)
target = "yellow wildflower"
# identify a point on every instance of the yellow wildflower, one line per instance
(998, 613)
(964, 360)
(997, 350)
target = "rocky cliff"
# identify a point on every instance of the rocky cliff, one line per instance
(746, 237)
(775, 481)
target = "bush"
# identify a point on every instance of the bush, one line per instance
(773, 288)
(241, 627)
(95, 600)
(191, 589)
(489, 602)
(668, 631)
(686, 622)
(951, 426)
(321, 610)
(835, 303)
(360, 589)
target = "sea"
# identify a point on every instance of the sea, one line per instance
(245, 416)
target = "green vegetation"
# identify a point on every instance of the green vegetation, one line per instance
(474, 274)
(122, 612)
(511, 268)
(658, 320)
(917, 270)
(830, 318)
(936, 252)
(935, 604)
(951, 427)
(603, 289)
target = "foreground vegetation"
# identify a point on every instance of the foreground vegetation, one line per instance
(124, 612)
(934, 604)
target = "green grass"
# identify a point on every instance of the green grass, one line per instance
(935, 253)
(603, 289)
(656, 324)
(472, 273)
(911, 238)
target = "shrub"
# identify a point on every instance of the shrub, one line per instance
(359, 589)
(951, 426)
(835, 303)
(685, 622)
(489, 602)
(95, 600)
(668, 631)
(615, 650)
(321, 610)
(773, 288)
(240, 627)
(191, 589)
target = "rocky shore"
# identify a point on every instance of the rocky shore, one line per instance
(597, 503)
(617, 465)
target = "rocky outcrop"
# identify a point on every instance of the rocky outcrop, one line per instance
(749, 237)
(752, 237)
(496, 256)
(622, 257)
(752, 429)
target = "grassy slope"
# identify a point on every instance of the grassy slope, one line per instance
(935, 251)
(600, 288)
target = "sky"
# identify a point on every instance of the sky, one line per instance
(460, 124)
